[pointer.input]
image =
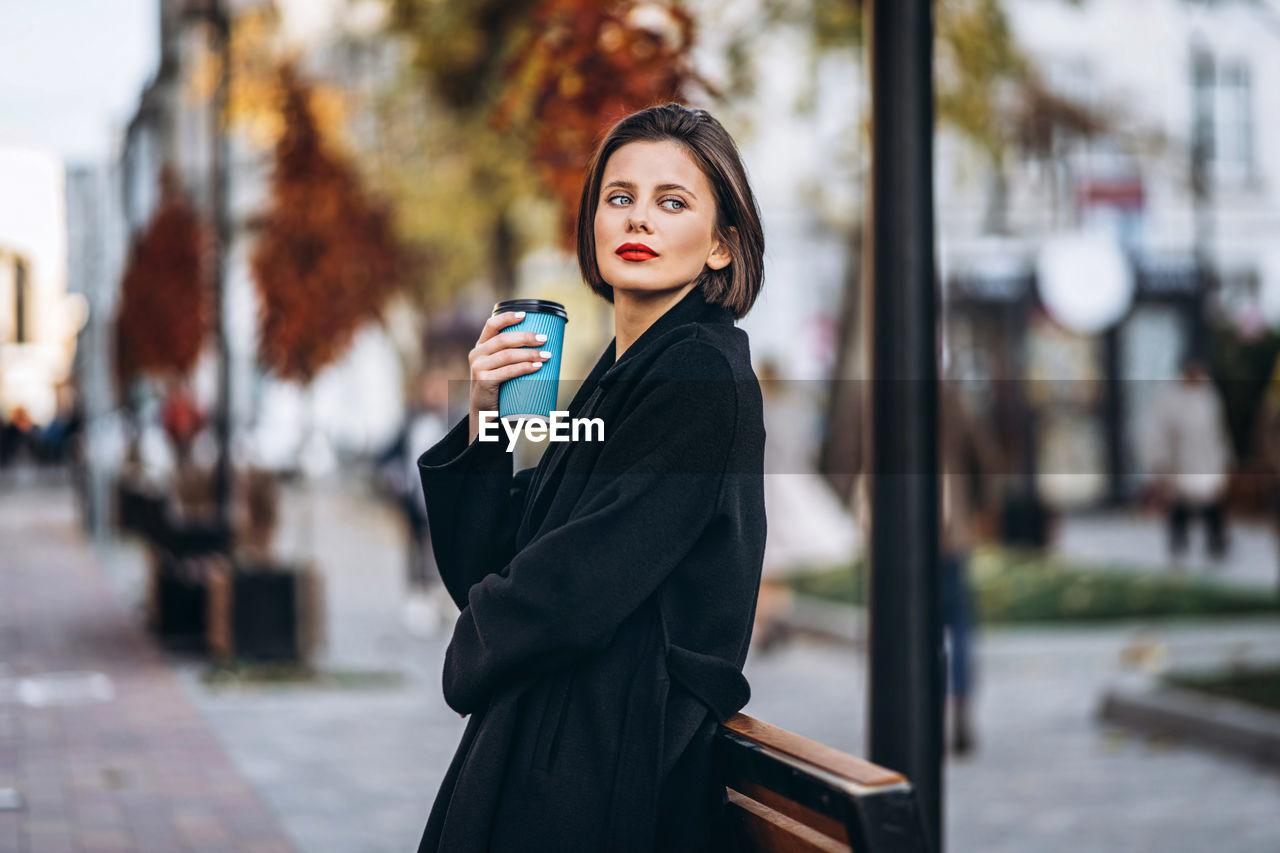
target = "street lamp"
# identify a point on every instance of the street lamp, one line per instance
(1202, 90)
(905, 631)
(215, 16)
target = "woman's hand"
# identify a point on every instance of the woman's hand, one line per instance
(497, 357)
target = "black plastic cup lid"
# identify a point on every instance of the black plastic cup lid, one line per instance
(536, 306)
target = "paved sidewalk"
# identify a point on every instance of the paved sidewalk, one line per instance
(1046, 777)
(1138, 541)
(353, 768)
(96, 733)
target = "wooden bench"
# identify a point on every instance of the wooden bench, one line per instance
(789, 793)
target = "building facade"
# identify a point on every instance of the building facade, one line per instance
(39, 320)
(173, 126)
(1180, 180)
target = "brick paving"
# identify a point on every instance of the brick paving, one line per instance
(132, 766)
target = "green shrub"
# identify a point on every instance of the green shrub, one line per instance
(1254, 686)
(1019, 586)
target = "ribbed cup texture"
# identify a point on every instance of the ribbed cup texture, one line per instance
(535, 393)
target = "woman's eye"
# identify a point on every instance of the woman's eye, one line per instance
(673, 204)
(619, 199)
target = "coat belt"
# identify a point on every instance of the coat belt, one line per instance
(715, 682)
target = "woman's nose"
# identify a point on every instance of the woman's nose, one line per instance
(635, 222)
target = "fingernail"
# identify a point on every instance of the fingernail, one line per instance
(545, 354)
(519, 315)
(539, 338)
(537, 364)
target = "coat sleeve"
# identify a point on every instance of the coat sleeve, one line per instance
(650, 495)
(474, 505)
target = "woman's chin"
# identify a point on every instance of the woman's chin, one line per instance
(632, 289)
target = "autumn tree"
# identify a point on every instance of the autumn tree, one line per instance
(987, 92)
(587, 65)
(254, 52)
(326, 259)
(164, 311)
(513, 98)
(987, 89)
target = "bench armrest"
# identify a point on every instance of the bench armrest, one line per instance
(788, 792)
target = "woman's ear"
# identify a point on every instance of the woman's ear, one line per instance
(721, 255)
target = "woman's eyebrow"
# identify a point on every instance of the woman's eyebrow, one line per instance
(630, 186)
(662, 188)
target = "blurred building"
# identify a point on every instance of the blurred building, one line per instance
(357, 403)
(1192, 217)
(38, 318)
(95, 261)
(797, 130)
(1179, 180)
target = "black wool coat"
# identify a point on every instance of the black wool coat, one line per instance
(607, 598)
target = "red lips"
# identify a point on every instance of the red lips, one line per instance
(635, 252)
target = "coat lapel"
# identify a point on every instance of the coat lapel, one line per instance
(553, 460)
(692, 308)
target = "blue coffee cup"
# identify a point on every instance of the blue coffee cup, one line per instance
(534, 393)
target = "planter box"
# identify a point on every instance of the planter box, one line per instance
(183, 557)
(139, 509)
(1213, 722)
(177, 598)
(193, 538)
(265, 612)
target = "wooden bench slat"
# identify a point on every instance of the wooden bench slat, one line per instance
(771, 799)
(853, 769)
(767, 830)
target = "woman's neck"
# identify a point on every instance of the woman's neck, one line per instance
(633, 313)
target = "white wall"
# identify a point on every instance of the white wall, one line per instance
(33, 225)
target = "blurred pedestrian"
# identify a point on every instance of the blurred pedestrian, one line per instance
(607, 594)
(970, 464)
(182, 419)
(62, 433)
(1189, 457)
(1267, 445)
(424, 424)
(8, 439)
(19, 438)
(809, 528)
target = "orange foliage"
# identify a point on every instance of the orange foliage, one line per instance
(589, 64)
(164, 309)
(326, 260)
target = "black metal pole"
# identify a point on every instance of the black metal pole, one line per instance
(906, 665)
(220, 27)
(1113, 412)
(1202, 70)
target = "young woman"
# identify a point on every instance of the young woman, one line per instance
(607, 595)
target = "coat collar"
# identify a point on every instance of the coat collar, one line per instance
(692, 308)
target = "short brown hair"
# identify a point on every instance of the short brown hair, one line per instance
(737, 215)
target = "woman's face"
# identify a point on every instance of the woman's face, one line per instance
(655, 220)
